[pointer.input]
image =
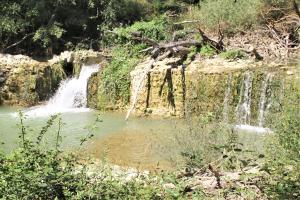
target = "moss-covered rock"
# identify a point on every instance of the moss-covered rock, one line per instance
(215, 86)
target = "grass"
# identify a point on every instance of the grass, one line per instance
(232, 54)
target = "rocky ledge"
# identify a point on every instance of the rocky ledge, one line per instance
(213, 85)
(26, 82)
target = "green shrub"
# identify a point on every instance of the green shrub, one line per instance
(156, 29)
(116, 76)
(191, 55)
(283, 161)
(232, 54)
(126, 55)
(229, 15)
(207, 51)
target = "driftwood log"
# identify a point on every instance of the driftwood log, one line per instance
(177, 46)
(174, 46)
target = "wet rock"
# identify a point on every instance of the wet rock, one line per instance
(200, 87)
(25, 81)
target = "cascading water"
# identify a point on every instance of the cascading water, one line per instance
(264, 104)
(70, 96)
(243, 109)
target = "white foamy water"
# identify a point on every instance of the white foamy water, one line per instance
(243, 109)
(264, 105)
(253, 129)
(71, 96)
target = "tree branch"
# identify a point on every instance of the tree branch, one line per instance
(187, 22)
(19, 42)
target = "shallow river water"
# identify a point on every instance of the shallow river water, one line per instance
(138, 142)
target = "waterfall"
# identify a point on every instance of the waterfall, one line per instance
(243, 109)
(264, 105)
(137, 84)
(71, 95)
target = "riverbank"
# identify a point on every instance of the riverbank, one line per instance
(214, 163)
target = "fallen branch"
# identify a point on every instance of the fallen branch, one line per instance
(218, 46)
(216, 174)
(187, 22)
(145, 40)
(19, 42)
(186, 43)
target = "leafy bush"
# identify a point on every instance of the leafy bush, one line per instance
(116, 76)
(156, 29)
(191, 55)
(232, 54)
(126, 55)
(51, 24)
(32, 172)
(283, 161)
(227, 14)
(207, 51)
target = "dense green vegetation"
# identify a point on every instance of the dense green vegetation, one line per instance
(44, 28)
(283, 161)
(126, 54)
(58, 25)
(49, 27)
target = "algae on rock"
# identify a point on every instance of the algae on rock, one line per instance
(29, 84)
(173, 89)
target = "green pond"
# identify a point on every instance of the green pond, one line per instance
(144, 142)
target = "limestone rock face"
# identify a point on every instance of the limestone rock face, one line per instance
(24, 81)
(78, 58)
(240, 90)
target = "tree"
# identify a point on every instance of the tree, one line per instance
(47, 24)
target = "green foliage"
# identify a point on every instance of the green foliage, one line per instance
(116, 76)
(239, 14)
(226, 14)
(53, 24)
(207, 51)
(126, 55)
(191, 55)
(162, 6)
(45, 35)
(156, 29)
(235, 156)
(32, 172)
(283, 161)
(232, 54)
(192, 144)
